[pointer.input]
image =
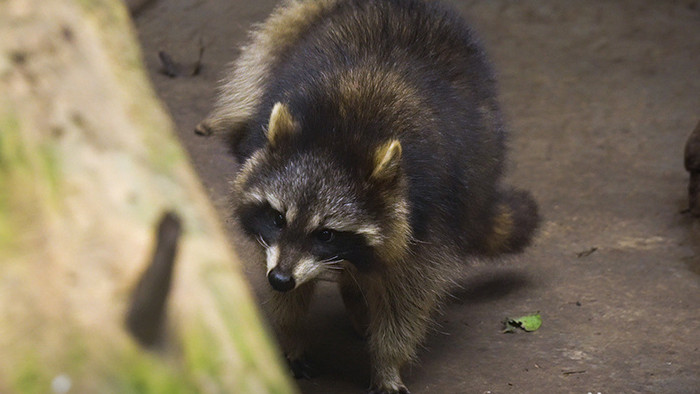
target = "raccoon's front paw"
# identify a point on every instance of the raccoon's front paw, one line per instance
(400, 390)
(301, 368)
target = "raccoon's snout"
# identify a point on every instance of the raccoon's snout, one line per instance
(281, 281)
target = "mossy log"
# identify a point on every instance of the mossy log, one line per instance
(88, 166)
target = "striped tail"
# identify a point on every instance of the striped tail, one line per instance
(514, 223)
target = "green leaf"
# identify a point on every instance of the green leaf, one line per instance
(527, 323)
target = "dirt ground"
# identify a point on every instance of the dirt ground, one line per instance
(600, 97)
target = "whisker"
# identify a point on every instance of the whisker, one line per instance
(330, 259)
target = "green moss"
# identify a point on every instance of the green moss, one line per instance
(49, 169)
(30, 376)
(141, 372)
(104, 365)
(107, 11)
(254, 345)
(202, 357)
(119, 41)
(76, 356)
(6, 232)
(38, 360)
(29, 175)
(260, 369)
(12, 158)
(118, 35)
(12, 153)
(164, 153)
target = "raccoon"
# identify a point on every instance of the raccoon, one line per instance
(371, 148)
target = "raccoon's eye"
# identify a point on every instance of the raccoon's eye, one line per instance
(279, 220)
(325, 236)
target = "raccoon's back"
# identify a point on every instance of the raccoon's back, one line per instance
(425, 46)
(363, 71)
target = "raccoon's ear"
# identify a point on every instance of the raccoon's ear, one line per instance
(387, 160)
(281, 124)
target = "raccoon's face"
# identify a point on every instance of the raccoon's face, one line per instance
(309, 216)
(312, 213)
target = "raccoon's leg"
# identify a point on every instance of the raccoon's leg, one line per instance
(355, 303)
(287, 311)
(400, 308)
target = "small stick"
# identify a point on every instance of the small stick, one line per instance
(567, 373)
(198, 64)
(586, 253)
(169, 67)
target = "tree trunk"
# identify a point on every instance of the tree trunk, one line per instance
(88, 165)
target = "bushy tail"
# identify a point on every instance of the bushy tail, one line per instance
(514, 223)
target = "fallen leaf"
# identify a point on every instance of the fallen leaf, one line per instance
(527, 323)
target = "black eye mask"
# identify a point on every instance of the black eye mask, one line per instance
(261, 221)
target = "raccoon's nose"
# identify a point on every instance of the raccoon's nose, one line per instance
(280, 281)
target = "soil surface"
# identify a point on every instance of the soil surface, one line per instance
(600, 97)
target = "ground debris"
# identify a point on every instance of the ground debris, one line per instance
(198, 64)
(587, 252)
(692, 165)
(170, 68)
(526, 323)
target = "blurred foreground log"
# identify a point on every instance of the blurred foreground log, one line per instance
(88, 166)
